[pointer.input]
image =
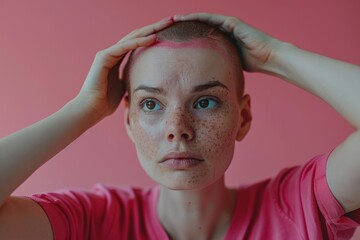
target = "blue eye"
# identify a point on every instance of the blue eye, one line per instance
(206, 103)
(150, 105)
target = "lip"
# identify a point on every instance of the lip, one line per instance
(181, 160)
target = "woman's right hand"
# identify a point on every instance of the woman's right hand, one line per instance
(102, 90)
(23, 152)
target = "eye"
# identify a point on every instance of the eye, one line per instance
(206, 103)
(150, 105)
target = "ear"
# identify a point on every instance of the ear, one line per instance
(127, 118)
(245, 117)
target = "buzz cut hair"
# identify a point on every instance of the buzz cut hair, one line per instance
(188, 31)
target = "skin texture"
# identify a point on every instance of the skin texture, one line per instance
(227, 50)
(174, 79)
(177, 124)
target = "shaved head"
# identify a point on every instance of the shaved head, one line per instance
(197, 35)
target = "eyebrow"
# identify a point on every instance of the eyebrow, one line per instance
(198, 88)
(149, 89)
(209, 85)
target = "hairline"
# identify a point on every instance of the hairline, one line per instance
(218, 36)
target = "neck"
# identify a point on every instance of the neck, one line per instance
(197, 214)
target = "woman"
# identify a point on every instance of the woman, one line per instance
(185, 108)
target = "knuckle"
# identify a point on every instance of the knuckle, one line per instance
(154, 29)
(100, 54)
(232, 21)
(102, 57)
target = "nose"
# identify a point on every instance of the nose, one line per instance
(178, 126)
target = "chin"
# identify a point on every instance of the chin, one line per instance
(185, 179)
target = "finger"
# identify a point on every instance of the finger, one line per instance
(226, 23)
(150, 29)
(121, 48)
(212, 19)
(116, 53)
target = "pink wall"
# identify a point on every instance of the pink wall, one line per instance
(46, 50)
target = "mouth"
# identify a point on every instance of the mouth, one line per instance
(181, 160)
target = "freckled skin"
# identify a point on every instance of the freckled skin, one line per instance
(212, 132)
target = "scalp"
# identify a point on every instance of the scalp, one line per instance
(188, 31)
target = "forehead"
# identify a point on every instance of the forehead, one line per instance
(166, 61)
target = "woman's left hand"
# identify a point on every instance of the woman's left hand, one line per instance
(257, 48)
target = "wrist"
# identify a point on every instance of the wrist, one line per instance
(277, 62)
(83, 111)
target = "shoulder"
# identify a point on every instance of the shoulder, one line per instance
(315, 168)
(77, 204)
(302, 196)
(297, 199)
(78, 213)
(96, 195)
(287, 180)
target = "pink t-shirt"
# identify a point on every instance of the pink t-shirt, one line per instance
(296, 204)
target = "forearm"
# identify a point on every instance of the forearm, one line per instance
(26, 150)
(336, 82)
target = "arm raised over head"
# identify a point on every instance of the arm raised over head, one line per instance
(26, 150)
(336, 82)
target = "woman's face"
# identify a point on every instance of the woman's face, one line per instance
(184, 115)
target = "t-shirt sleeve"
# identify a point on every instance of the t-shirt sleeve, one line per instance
(328, 204)
(78, 214)
(303, 194)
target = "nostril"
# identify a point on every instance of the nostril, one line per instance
(185, 136)
(171, 136)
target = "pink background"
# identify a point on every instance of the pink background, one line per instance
(47, 47)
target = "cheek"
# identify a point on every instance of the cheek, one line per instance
(214, 134)
(145, 134)
(217, 134)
